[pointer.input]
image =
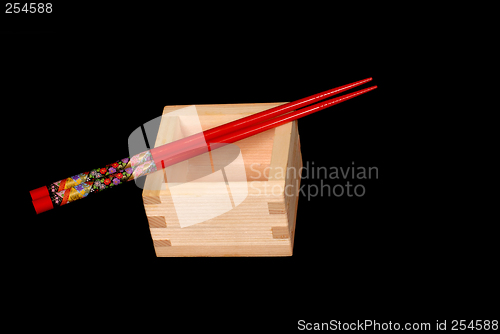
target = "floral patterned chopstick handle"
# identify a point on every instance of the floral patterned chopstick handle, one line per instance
(78, 179)
(81, 185)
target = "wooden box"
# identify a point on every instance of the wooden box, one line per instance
(263, 224)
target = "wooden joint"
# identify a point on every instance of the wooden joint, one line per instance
(280, 232)
(276, 208)
(157, 221)
(151, 200)
(162, 243)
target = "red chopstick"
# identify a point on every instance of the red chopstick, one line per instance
(166, 159)
(211, 134)
(166, 151)
(193, 146)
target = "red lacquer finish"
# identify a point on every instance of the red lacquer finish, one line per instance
(39, 193)
(192, 143)
(171, 158)
(42, 204)
(258, 128)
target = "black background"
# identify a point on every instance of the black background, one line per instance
(81, 79)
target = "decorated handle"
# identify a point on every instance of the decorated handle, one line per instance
(81, 185)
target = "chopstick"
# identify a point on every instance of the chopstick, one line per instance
(147, 162)
(163, 152)
(211, 134)
(171, 158)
